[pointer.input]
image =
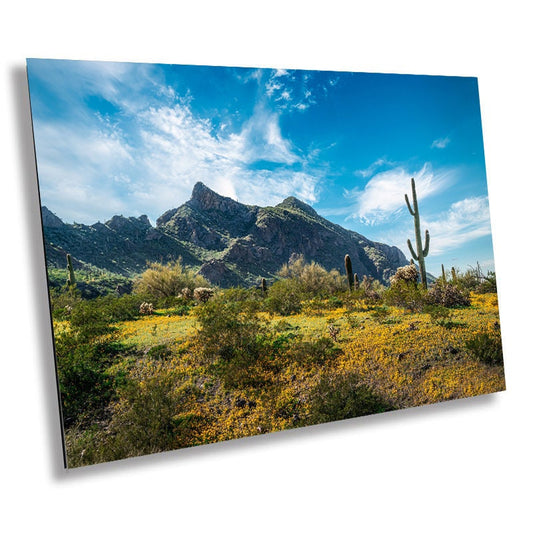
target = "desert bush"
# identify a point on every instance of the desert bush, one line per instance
(146, 308)
(179, 310)
(313, 351)
(225, 332)
(151, 413)
(284, 297)
(84, 354)
(92, 314)
(203, 294)
(251, 300)
(86, 351)
(488, 284)
(381, 314)
(369, 293)
(62, 302)
(437, 313)
(405, 294)
(167, 280)
(447, 295)
(341, 395)
(486, 346)
(475, 280)
(84, 383)
(313, 279)
(407, 273)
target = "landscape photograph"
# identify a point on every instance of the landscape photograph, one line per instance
(235, 251)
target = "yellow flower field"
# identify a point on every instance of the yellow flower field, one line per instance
(290, 371)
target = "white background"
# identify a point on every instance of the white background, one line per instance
(461, 466)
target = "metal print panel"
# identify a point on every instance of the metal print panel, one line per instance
(237, 251)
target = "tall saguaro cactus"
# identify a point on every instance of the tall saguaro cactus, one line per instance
(422, 252)
(349, 272)
(71, 280)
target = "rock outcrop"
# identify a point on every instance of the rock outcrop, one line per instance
(231, 243)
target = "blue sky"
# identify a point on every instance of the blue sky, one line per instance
(132, 139)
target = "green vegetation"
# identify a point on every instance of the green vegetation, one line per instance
(159, 369)
(166, 281)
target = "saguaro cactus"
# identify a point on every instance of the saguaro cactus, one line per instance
(422, 252)
(443, 273)
(356, 281)
(349, 272)
(71, 280)
(454, 275)
(263, 286)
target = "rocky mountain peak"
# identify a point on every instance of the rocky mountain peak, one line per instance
(293, 203)
(119, 222)
(50, 220)
(232, 243)
(208, 200)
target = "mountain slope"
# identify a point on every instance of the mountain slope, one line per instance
(232, 243)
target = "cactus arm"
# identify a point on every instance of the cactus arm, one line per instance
(409, 205)
(426, 245)
(415, 257)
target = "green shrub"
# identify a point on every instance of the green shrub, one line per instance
(486, 347)
(86, 351)
(339, 396)
(313, 279)
(475, 280)
(83, 359)
(151, 414)
(225, 332)
(380, 314)
(62, 302)
(405, 294)
(161, 281)
(284, 297)
(321, 351)
(488, 284)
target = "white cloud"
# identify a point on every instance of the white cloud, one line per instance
(441, 143)
(370, 170)
(90, 169)
(465, 221)
(79, 167)
(182, 149)
(384, 194)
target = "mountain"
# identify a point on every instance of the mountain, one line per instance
(230, 243)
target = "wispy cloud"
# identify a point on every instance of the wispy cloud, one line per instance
(464, 221)
(441, 143)
(383, 195)
(371, 169)
(148, 159)
(182, 149)
(290, 91)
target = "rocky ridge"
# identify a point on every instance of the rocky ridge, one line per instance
(229, 242)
